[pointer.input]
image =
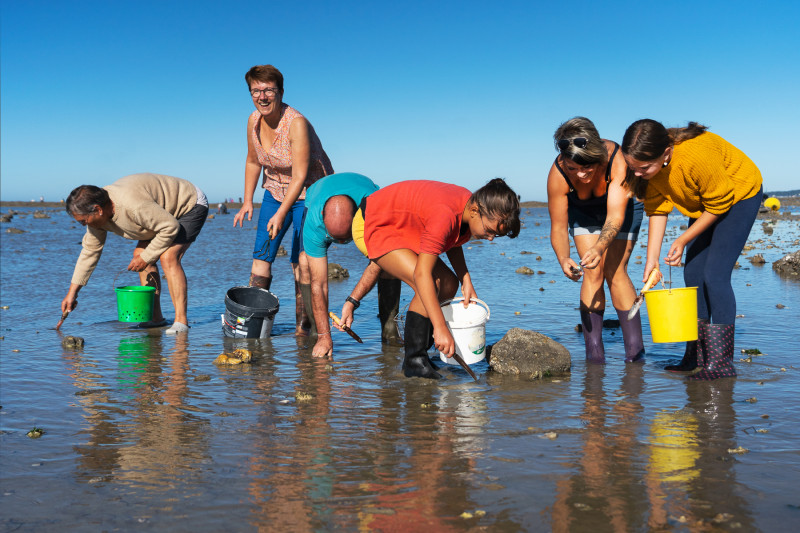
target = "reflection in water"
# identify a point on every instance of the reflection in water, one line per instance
(138, 428)
(346, 453)
(690, 476)
(606, 491)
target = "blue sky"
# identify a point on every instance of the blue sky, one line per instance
(91, 91)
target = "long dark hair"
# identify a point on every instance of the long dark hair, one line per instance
(646, 140)
(84, 200)
(497, 201)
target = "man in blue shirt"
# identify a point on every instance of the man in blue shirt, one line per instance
(332, 204)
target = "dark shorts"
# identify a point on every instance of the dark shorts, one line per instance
(590, 222)
(191, 224)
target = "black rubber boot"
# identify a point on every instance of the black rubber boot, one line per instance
(303, 309)
(388, 307)
(718, 346)
(417, 334)
(592, 323)
(262, 282)
(632, 336)
(694, 355)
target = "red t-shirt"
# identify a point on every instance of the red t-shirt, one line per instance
(423, 216)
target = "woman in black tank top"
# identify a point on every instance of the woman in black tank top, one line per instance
(586, 199)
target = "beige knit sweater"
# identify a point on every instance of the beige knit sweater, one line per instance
(146, 208)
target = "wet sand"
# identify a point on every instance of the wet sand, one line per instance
(142, 431)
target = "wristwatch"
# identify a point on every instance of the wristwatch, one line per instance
(353, 301)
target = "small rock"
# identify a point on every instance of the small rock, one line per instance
(202, 377)
(524, 270)
(72, 342)
(466, 515)
(525, 252)
(757, 259)
(303, 397)
(15, 230)
(538, 257)
(517, 313)
(336, 271)
(40, 214)
(788, 265)
(752, 400)
(739, 451)
(540, 272)
(210, 217)
(281, 252)
(780, 306)
(237, 357)
(552, 435)
(35, 433)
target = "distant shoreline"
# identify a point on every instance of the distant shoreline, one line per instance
(790, 200)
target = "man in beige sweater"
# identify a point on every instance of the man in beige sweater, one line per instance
(163, 213)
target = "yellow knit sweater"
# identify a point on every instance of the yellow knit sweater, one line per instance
(706, 173)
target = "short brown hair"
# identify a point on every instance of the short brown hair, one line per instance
(264, 74)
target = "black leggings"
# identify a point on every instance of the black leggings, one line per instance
(711, 256)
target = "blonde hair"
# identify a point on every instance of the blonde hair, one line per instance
(593, 153)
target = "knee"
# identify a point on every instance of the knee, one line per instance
(170, 260)
(447, 286)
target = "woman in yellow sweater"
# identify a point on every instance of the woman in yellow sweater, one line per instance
(719, 188)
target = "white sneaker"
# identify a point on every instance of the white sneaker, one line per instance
(177, 327)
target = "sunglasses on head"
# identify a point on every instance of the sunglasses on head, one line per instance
(578, 142)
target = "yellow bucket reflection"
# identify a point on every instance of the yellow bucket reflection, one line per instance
(673, 446)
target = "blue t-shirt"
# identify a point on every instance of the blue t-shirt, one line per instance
(315, 236)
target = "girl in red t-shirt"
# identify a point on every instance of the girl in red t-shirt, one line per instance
(407, 226)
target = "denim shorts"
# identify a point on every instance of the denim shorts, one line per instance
(590, 222)
(266, 249)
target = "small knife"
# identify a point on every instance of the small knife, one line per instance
(464, 365)
(64, 316)
(345, 328)
(655, 276)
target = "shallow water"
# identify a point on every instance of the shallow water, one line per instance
(143, 432)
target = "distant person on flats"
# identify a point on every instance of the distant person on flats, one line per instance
(719, 188)
(587, 199)
(165, 214)
(333, 214)
(282, 148)
(407, 225)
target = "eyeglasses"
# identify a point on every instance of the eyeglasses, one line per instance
(272, 91)
(578, 142)
(489, 234)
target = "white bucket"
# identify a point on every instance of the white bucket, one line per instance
(468, 326)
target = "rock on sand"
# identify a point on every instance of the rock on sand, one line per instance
(529, 354)
(789, 265)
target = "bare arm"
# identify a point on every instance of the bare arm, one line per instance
(368, 280)
(252, 171)
(705, 221)
(426, 291)
(616, 204)
(456, 257)
(655, 234)
(557, 206)
(318, 267)
(301, 155)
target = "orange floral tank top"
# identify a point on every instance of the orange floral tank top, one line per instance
(277, 161)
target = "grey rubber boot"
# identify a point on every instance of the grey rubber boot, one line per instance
(262, 282)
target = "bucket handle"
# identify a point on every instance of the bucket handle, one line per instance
(149, 275)
(473, 300)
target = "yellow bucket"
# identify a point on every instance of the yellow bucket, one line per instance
(672, 314)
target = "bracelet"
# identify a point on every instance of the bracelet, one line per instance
(353, 301)
(324, 333)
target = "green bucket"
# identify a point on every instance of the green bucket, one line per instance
(135, 303)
